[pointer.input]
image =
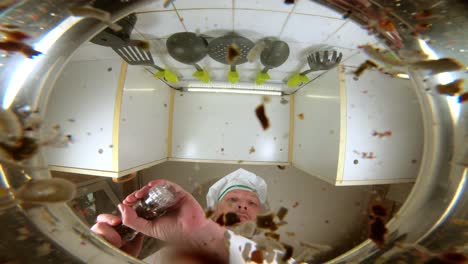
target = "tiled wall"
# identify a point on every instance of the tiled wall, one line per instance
(304, 25)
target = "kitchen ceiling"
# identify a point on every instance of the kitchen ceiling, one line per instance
(304, 25)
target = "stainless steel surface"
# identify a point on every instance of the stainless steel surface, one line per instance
(434, 216)
(134, 54)
(317, 63)
(218, 49)
(187, 47)
(274, 55)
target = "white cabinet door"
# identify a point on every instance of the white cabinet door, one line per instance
(317, 127)
(114, 132)
(144, 119)
(224, 127)
(82, 103)
(384, 130)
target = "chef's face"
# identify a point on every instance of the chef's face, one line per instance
(244, 203)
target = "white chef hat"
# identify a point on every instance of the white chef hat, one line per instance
(237, 180)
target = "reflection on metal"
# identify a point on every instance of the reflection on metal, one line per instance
(237, 91)
(442, 78)
(403, 75)
(461, 188)
(27, 66)
(428, 218)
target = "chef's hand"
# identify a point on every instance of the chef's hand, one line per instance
(184, 224)
(105, 227)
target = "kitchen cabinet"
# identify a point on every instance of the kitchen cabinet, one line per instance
(220, 127)
(83, 103)
(144, 120)
(316, 140)
(117, 116)
(344, 131)
(356, 132)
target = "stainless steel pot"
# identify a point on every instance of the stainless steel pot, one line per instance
(434, 215)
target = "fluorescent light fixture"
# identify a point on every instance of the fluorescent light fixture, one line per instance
(24, 69)
(322, 96)
(403, 75)
(237, 91)
(140, 90)
(242, 86)
(442, 78)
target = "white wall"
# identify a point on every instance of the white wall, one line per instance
(218, 126)
(144, 119)
(317, 136)
(82, 103)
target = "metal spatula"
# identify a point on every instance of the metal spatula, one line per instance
(134, 53)
(218, 50)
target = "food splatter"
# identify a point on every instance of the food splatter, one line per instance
(14, 35)
(257, 256)
(452, 88)
(266, 99)
(289, 252)
(365, 155)
(4, 4)
(251, 150)
(273, 236)
(16, 145)
(424, 14)
(88, 11)
(264, 121)
(4, 192)
(438, 66)
(378, 211)
(301, 116)
(296, 204)
(382, 56)
(453, 257)
(142, 44)
(282, 212)
(459, 221)
(347, 14)
(363, 67)
(228, 219)
(209, 213)
(463, 98)
(420, 27)
(281, 167)
(377, 231)
(43, 250)
(266, 222)
(233, 53)
(386, 133)
(14, 46)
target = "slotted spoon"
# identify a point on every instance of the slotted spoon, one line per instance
(218, 49)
